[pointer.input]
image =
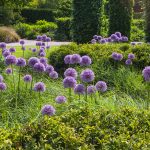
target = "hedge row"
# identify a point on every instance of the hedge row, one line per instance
(83, 129)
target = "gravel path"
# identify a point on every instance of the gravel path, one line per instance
(32, 42)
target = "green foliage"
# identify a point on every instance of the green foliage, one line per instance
(64, 29)
(120, 16)
(86, 19)
(32, 15)
(83, 129)
(147, 19)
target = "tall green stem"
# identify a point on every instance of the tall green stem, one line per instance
(19, 83)
(69, 94)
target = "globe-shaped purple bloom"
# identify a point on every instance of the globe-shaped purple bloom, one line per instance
(1, 78)
(124, 39)
(118, 34)
(85, 61)
(23, 48)
(109, 40)
(2, 45)
(128, 62)
(114, 37)
(10, 60)
(87, 75)
(43, 44)
(133, 43)
(12, 50)
(42, 50)
(42, 54)
(39, 67)
(32, 61)
(119, 57)
(48, 46)
(103, 41)
(91, 89)
(6, 53)
(71, 72)
(48, 39)
(8, 71)
(93, 41)
(48, 110)
(27, 78)
(53, 75)
(75, 59)
(34, 50)
(131, 56)
(146, 73)
(22, 42)
(95, 37)
(67, 59)
(101, 86)
(60, 99)
(21, 62)
(79, 89)
(49, 68)
(39, 87)
(43, 60)
(69, 82)
(38, 43)
(44, 37)
(115, 56)
(99, 38)
(39, 38)
(2, 86)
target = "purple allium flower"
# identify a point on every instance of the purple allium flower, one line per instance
(22, 42)
(34, 50)
(71, 72)
(99, 38)
(93, 41)
(39, 38)
(124, 39)
(67, 59)
(53, 75)
(60, 99)
(128, 62)
(115, 56)
(48, 46)
(91, 89)
(43, 60)
(85, 61)
(95, 37)
(114, 37)
(21, 62)
(42, 54)
(109, 40)
(1, 78)
(103, 41)
(146, 73)
(87, 75)
(133, 43)
(44, 37)
(2, 45)
(101, 86)
(119, 57)
(2, 86)
(49, 69)
(39, 87)
(27, 78)
(131, 56)
(12, 50)
(6, 53)
(79, 89)
(23, 48)
(75, 59)
(8, 71)
(48, 110)
(69, 82)
(48, 39)
(118, 34)
(43, 44)
(42, 50)
(32, 61)
(38, 43)
(39, 67)
(10, 60)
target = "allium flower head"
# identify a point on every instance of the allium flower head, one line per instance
(69, 82)
(87, 75)
(2, 86)
(42, 49)
(79, 89)
(43, 60)
(6, 53)
(8, 71)
(48, 110)
(44, 37)
(133, 43)
(71, 72)
(115, 56)
(39, 87)
(32, 61)
(39, 38)
(95, 37)
(146, 73)
(21, 62)
(49, 69)
(23, 48)
(22, 42)
(53, 75)
(109, 40)
(2, 45)
(27, 78)
(103, 41)
(101, 86)
(38, 43)
(119, 57)
(67, 59)
(34, 50)
(12, 50)
(60, 99)
(48, 46)
(91, 89)
(131, 56)
(75, 59)
(93, 41)
(128, 62)
(1, 78)
(114, 36)
(85, 61)
(48, 39)
(118, 34)
(124, 39)
(39, 67)
(43, 44)
(99, 38)
(10, 60)
(42, 54)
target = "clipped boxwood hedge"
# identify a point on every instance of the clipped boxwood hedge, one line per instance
(83, 129)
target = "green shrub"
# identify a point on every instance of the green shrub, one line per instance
(64, 29)
(8, 35)
(86, 19)
(120, 16)
(32, 15)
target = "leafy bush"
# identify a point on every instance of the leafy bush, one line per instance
(86, 19)
(8, 35)
(83, 129)
(64, 29)
(32, 15)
